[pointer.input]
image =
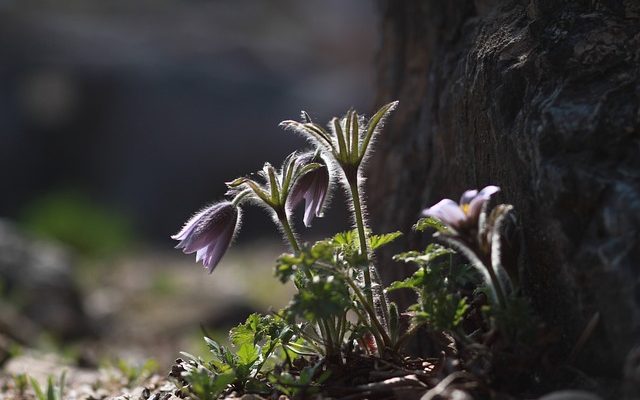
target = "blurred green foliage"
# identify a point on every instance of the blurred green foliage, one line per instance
(75, 220)
(53, 391)
(135, 373)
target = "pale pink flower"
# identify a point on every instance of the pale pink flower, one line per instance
(465, 213)
(209, 233)
(312, 187)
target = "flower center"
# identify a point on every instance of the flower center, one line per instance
(465, 208)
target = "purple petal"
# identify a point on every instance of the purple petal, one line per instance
(299, 190)
(312, 187)
(468, 196)
(315, 197)
(475, 206)
(447, 211)
(320, 195)
(190, 225)
(489, 190)
(200, 254)
(210, 225)
(309, 209)
(215, 251)
(209, 233)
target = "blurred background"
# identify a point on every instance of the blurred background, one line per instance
(118, 120)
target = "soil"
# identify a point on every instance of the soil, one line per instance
(148, 306)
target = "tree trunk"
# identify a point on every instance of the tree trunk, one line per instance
(542, 98)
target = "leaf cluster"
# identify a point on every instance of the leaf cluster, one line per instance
(307, 382)
(53, 391)
(335, 262)
(260, 339)
(437, 282)
(341, 311)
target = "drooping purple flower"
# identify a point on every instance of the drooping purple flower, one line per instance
(312, 187)
(465, 213)
(209, 233)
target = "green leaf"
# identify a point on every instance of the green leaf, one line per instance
(461, 310)
(51, 394)
(308, 168)
(248, 354)
(372, 125)
(204, 385)
(221, 381)
(273, 183)
(324, 250)
(355, 135)
(324, 297)
(394, 321)
(37, 389)
(431, 253)
(236, 182)
(324, 376)
(306, 375)
(413, 282)
(215, 348)
(310, 130)
(342, 147)
(246, 332)
(62, 383)
(347, 244)
(347, 238)
(430, 222)
(464, 274)
(223, 358)
(287, 266)
(256, 386)
(440, 310)
(376, 241)
(191, 356)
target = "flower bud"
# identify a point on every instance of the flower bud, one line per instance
(463, 214)
(209, 233)
(312, 187)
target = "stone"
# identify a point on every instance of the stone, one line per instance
(542, 98)
(38, 290)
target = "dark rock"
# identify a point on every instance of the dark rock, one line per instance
(38, 291)
(570, 395)
(542, 98)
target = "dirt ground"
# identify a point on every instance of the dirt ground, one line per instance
(145, 309)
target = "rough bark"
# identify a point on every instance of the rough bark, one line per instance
(542, 98)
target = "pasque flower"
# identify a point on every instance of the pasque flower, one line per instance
(465, 213)
(348, 138)
(209, 233)
(275, 191)
(312, 187)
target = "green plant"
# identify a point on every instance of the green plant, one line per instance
(134, 373)
(257, 343)
(437, 283)
(53, 391)
(340, 315)
(74, 219)
(21, 382)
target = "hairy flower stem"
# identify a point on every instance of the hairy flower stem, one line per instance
(381, 335)
(286, 227)
(357, 210)
(331, 348)
(502, 300)
(293, 242)
(383, 308)
(240, 196)
(323, 325)
(483, 258)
